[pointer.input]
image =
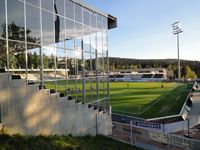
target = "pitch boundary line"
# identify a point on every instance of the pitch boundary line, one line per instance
(125, 112)
(157, 100)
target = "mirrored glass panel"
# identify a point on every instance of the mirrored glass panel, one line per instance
(60, 32)
(86, 16)
(71, 89)
(71, 64)
(61, 72)
(99, 42)
(34, 2)
(78, 13)
(93, 58)
(69, 9)
(2, 19)
(47, 29)
(69, 34)
(49, 63)
(61, 87)
(50, 85)
(16, 20)
(78, 30)
(86, 39)
(34, 63)
(60, 64)
(93, 20)
(33, 24)
(47, 4)
(105, 42)
(99, 21)
(59, 6)
(87, 62)
(93, 42)
(79, 91)
(3, 57)
(105, 23)
(17, 58)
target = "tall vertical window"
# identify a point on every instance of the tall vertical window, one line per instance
(47, 28)
(34, 2)
(47, 4)
(69, 9)
(2, 19)
(16, 20)
(78, 13)
(69, 34)
(60, 6)
(33, 24)
(3, 57)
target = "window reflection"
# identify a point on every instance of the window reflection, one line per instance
(16, 20)
(3, 57)
(34, 2)
(99, 21)
(69, 9)
(47, 28)
(33, 24)
(17, 55)
(70, 34)
(70, 45)
(49, 63)
(2, 19)
(93, 20)
(33, 55)
(99, 42)
(78, 13)
(60, 6)
(86, 15)
(47, 4)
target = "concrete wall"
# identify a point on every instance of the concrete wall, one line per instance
(28, 110)
(181, 125)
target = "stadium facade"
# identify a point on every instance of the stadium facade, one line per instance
(60, 45)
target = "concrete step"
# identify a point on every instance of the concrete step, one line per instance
(18, 83)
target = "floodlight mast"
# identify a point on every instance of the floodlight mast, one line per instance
(176, 30)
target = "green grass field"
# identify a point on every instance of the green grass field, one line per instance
(148, 99)
(140, 99)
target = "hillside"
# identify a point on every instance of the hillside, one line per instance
(128, 63)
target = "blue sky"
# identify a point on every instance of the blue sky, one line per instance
(144, 28)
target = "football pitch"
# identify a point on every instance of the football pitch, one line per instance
(142, 99)
(148, 99)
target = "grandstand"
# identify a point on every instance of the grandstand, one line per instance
(146, 74)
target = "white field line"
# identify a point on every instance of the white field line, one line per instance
(125, 112)
(128, 116)
(157, 100)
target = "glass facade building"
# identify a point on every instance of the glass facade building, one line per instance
(58, 44)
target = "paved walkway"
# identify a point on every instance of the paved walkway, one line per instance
(194, 113)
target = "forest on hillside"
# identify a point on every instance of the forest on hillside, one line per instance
(187, 66)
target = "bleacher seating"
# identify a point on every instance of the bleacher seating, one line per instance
(158, 76)
(147, 75)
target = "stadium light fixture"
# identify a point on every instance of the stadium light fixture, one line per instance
(176, 30)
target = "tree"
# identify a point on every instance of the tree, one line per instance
(189, 73)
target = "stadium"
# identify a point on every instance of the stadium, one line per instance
(55, 80)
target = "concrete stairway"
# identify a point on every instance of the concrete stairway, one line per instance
(29, 110)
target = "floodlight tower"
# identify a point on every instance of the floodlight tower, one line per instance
(176, 30)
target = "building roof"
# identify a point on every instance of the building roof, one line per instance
(112, 21)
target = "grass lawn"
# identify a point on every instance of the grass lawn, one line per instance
(18, 142)
(139, 99)
(148, 99)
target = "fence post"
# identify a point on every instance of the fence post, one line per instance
(96, 124)
(131, 134)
